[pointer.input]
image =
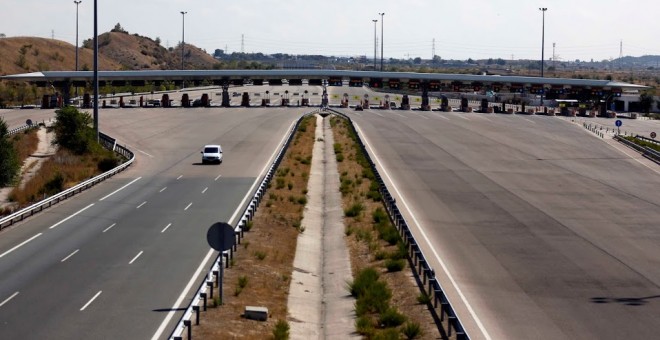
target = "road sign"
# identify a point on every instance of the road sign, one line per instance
(652, 135)
(618, 123)
(221, 236)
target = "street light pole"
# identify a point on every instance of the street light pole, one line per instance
(382, 40)
(542, 9)
(96, 71)
(375, 43)
(77, 2)
(183, 37)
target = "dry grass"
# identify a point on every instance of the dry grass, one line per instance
(26, 143)
(264, 261)
(366, 249)
(60, 172)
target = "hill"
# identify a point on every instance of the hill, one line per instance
(29, 54)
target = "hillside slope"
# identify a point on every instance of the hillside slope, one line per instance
(29, 54)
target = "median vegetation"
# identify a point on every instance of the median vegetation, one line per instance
(643, 143)
(388, 304)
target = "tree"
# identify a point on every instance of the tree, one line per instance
(157, 40)
(2, 35)
(9, 162)
(73, 131)
(119, 29)
(646, 102)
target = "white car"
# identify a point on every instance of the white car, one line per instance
(212, 154)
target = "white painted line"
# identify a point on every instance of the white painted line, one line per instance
(116, 191)
(74, 253)
(72, 216)
(217, 178)
(442, 116)
(529, 120)
(166, 227)
(136, 257)
(188, 206)
(178, 178)
(140, 151)
(203, 191)
(423, 116)
(8, 299)
(20, 245)
(90, 301)
(462, 116)
(110, 227)
(376, 113)
(400, 115)
(202, 265)
(419, 227)
(141, 204)
(163, 189)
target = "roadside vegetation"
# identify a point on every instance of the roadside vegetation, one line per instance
(642, 142)
(78, 158)
(389, 304)
(260, 272)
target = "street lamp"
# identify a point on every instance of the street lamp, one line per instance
(375, 43)
(96, 71)
(77, 2)
(183, 36)
(542, 9)
(382, 40)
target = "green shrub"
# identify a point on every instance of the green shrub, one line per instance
(391, 318)
(423, 299)
(387, 334)
(374, 300)
(340, 157)
(394, 265)
(108, 163)
(290, 185)
(242, 281)
(354, 210)
(302, 200)
(280, 183)
(363, 281)
(54, 185)
(411, 330)
(379, 215)
(281, 330)
(260, 255)
(364, 326)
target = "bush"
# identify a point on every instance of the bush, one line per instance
(73, 131)
(423, 299)
(54, 185)
(354, 210)
(374, 300)
(108, 163)
(9, 160)
(302, 200)
(387, 334)
(395, 265)
(391, 318)
(281, 330)
(363, 281)
(411, 330)
(364, 326)
(379, 215)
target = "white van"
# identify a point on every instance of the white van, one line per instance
(212, 154)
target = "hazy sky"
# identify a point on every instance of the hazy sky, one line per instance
(581, 29)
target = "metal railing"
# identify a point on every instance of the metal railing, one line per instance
(212, 278)
(421, 266)
(106, 141)
(645, 151)
(19, 129)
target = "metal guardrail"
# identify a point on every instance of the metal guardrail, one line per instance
(645, 151)
(211, 280)
(19, 129)
(107, 142)
(421, 265)
(648, 139)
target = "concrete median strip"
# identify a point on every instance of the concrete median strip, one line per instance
(317, 304)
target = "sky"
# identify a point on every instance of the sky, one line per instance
(477, 29)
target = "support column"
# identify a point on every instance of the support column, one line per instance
(225, 96)
(425, 97)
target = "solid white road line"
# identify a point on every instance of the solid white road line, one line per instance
(90, 301)
(141, 204)
(420, 228)
(202, 265)
(145, 153)
(178, 178)
(203, 191)
(72, 216)
(187, 206)
(136, 257)
(217, 178)
(20, 245)
(116, 191)
(110, 227)
(169, 225)
(8, 299)
(74, 253)
(163, 189)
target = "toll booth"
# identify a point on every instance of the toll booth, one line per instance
(165, 101)
(425, 98)
(444, 103)
(87, 101)
(405, 102)
(226, 101)
(245, 100)
(464, 104)
(484, 105)
(205, 100)
(121, 102)
(563, 108)
(185, 100)
(582, 109)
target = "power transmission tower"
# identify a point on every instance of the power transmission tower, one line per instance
(242, 43)
(433, 53)
(554, 57)
(52, 34)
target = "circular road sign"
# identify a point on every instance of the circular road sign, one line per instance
(220, 236)
(618, 123)
(28, 122)
(653, 135)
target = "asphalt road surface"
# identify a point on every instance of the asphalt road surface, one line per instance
(112, 261)
(546, 231)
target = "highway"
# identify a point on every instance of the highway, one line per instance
(546, 231)
(112, 261)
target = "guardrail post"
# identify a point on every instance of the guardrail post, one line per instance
(196, 310)
(451, 321)
(216, 274)
(187, 323)
(203, 296)
(210, 285)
